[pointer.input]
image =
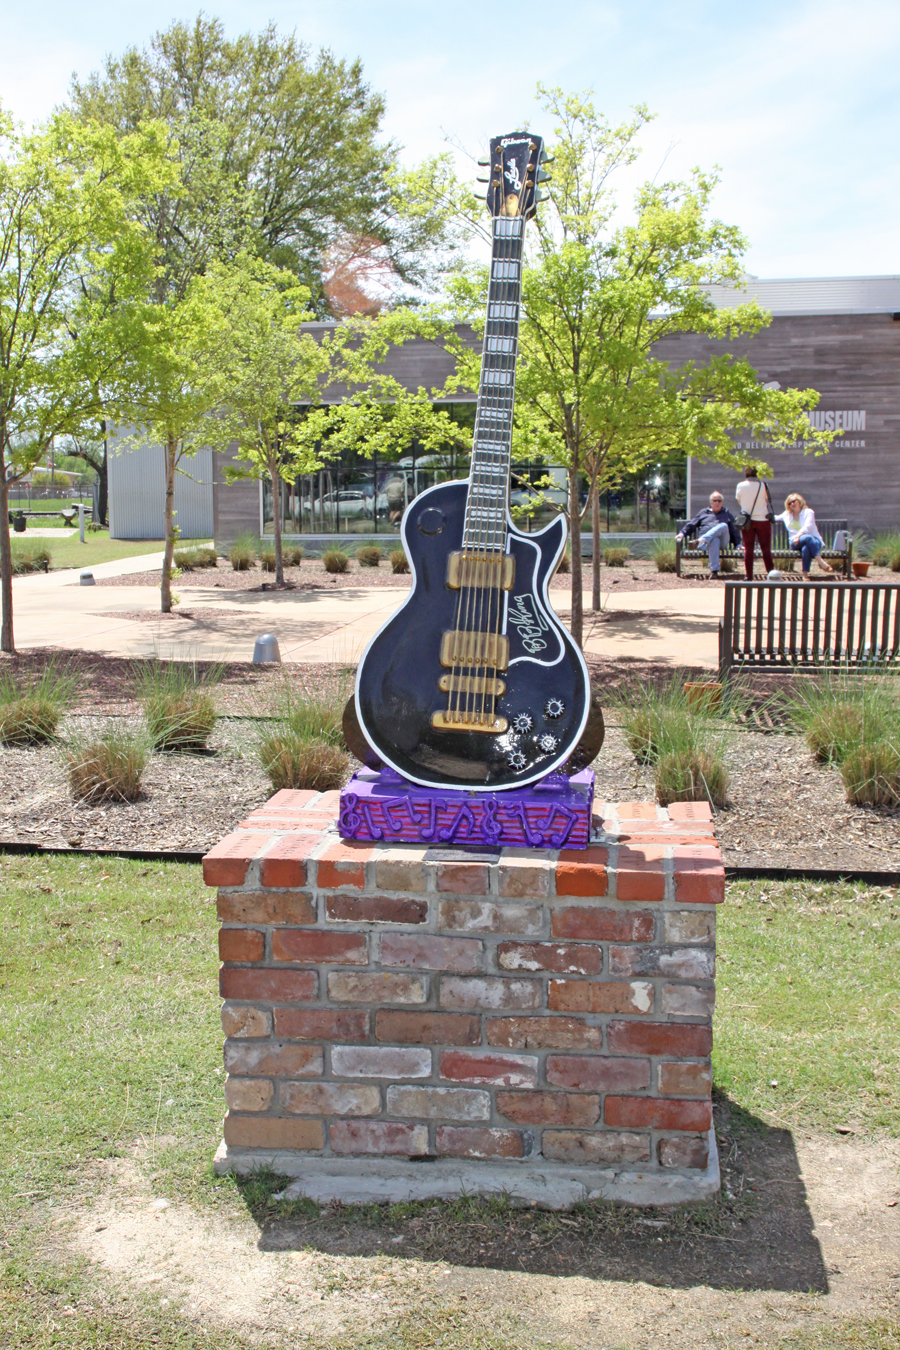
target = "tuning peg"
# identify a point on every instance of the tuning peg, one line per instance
(543, 177)
(484, 163)
(479, 179)
(478, 197)
(539, 196)
(547, 159)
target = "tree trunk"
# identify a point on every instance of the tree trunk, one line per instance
(103, 481)
(6, 630)
(165, 585)
(577, 621)
(276, 523)
(595, 562)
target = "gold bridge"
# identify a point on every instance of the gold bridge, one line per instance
(469, 721)
(472, 684)
(459, 648)
(486, 571)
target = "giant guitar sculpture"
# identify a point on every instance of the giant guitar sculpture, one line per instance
(474, 683)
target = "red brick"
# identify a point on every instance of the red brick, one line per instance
(266, 907)
(321, 1024)
(274, 1059)
(460, 1141)
(582, 871)
(688, 1000)
(310, 822)
(286, 864)
(637, 810)
(474, 991)
(248, 1094)
(560, 958)
(239, 1020)
(549, 1108)
(600, 996)
(684, 1151)
(438, 1103)
(603, 925)
(523, 877)
(699, 875)
(381, 1137)
(330, 1099)
(240, 944)
(682, 963)
(413, 952)
(690, 811)
(227, 863)
(685, 1080)
(657, 1113)
(273, 1132)
(544, 1033)
(343, 865)
(421, 1028)
(463, 878)
(599, 1146)
(330, 802)
(289, 799)
(639, 873)
(480, 1066)
(484, 916)
(659, 1038)
(374, 909)
(299, 944)
(258, 984)
(597, 1073)
(376, 986)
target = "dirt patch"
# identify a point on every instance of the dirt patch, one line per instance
(805, 1234)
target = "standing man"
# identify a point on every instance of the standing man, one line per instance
(716, 530)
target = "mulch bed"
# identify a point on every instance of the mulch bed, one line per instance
(785, 810)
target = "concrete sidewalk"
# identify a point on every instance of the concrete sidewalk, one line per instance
(54, 610)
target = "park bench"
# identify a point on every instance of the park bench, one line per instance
(781, 548)
(777, 625)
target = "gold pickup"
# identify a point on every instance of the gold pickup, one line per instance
(486, 571)
(474, 649)
(463, 721)
(472, 684)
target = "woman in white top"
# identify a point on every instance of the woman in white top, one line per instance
(803, 533)
(753, 497)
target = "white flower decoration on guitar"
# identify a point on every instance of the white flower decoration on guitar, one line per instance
(516, 759)
(547, 743)
(523, 722)
(554, 707)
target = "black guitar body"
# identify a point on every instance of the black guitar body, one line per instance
(547, 697)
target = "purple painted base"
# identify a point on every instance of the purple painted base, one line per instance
(380, 806)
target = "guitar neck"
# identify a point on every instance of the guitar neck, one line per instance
(485, 523)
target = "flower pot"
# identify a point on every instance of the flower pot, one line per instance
(703, 693)
(860, 569)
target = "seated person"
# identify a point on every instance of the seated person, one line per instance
(715, 530)
(803, 533)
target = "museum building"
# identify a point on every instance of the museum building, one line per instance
(839, 335)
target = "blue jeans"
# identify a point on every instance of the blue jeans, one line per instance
(713, 540)
(809, 546)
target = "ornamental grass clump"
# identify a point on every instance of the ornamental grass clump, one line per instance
(663, 554)
(565, 563)
(305, 746)
(839, 712)
(871, 773)
(333, 560)
(292, 554)
(686, 742)
(883, 551)
(242, 553)
(178, 702)
(30, 557)
(398, 560)
(190, 559)
(31, 709)
(616, 557)
(106, 763)
(369, 555)
(267, 559)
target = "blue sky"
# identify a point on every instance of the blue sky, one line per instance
(797, 102)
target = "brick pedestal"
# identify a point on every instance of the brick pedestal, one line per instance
(407, 1022)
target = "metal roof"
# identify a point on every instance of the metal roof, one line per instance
(814, 295)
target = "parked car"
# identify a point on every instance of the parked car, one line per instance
(350, 503)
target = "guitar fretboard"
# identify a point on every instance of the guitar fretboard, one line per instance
(485, 524)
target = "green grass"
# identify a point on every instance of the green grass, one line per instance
(99, 548)
(808, 996)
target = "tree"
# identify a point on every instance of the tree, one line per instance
(65, 198)
(92, 448)
(298, 141)
(267, 368)
(597, 295)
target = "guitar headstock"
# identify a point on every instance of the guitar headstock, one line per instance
(514, 172)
